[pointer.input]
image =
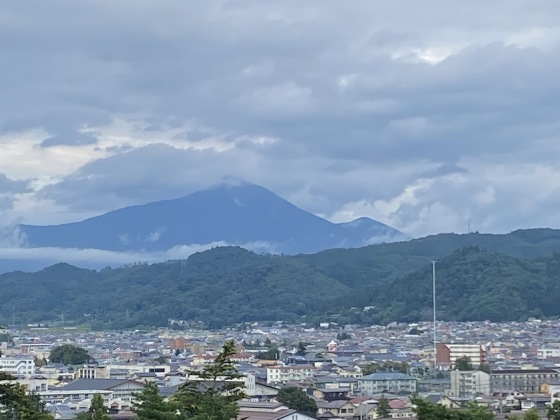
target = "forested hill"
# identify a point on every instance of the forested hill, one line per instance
(471, 284)
(496, 277)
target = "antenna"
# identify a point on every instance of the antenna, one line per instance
(435, 324)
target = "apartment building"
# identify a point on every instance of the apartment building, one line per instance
(288, 373)
(447, 354)
(469, 384)
(522, 380)
(546, 352)
(391, 382)
(17, 365)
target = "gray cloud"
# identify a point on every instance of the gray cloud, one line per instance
(8, 185)
(360, 102)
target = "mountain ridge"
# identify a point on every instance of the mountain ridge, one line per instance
(232, 214)
(501, 277)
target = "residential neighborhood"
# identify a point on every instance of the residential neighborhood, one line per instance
(346, 372)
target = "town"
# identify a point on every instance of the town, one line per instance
(353, 372)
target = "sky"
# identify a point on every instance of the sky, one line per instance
(428, 116)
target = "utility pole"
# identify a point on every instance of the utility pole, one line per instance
(434, 310)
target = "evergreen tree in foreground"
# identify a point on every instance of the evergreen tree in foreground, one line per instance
(297, 399)
(383, 407)
(428, 411)
(97, 410)
(215, 392)
(149, 405)
(17, 403)
(553, 412)
(210, 394)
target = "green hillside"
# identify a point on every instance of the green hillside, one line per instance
(471, 285)
(496, 277)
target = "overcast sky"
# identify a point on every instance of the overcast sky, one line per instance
(425, 115)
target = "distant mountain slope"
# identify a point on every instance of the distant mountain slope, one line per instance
(471, 284)
(238, 215)
(383, 262)
(229, 284)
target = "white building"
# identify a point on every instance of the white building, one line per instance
(391, 382)
(447, 354)
(17, 365)
(469, 384)
(288, 373)
(116, 393)
(545, 353)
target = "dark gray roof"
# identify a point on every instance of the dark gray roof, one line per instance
(63, 411)
(93, 384)
(384, 376)
(145, 374)
(167, 391)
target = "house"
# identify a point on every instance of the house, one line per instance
(393, 382)
(61, 411)
(443, 400)
(366, 411)
(331, 394)
(256, 390)
(249, 410)
(539, 402)
(337, 408)
(335, 382)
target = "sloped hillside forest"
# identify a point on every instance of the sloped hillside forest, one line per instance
(479, 277)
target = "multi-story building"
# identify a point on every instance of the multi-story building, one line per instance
(118, 393)
(546, 352)
(522, 380)
(38, 350)
(92, 372)
(391, 382)
(280, 373)
(447, 354)
(469, 383)
(554, 391)
(17, 365)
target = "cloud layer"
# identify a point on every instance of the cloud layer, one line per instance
(428, 116)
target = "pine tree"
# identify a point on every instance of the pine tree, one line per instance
(383, 407)
(215, 392)
(149, 405)
(464, 363)
(17, 403)
(301, 349)
(97, 409)
(532, 414)
(554, 411)
(297, 399)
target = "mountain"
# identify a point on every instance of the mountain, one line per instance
(495, 277)
(246, 215)
(472, 285)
